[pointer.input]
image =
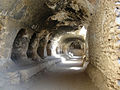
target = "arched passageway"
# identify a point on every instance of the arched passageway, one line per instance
(59, 44)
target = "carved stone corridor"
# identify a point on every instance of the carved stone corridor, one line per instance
(59, 45)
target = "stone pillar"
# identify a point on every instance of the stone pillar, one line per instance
(45, 46)
(33, 46)
(8, 32)
(103, 68)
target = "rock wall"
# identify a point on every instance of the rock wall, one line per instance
(8, 33)
(26, 12)
(103, 53)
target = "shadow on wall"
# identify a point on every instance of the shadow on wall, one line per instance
(20, 47)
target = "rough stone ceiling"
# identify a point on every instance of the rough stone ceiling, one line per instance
(47, 14)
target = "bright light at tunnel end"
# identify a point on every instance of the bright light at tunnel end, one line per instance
(55, 44)
(76, 68)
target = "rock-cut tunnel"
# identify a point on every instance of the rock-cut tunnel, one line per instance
(59, 45)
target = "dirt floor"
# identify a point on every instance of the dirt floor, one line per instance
(58, 77)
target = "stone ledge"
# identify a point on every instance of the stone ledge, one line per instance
(15, 77)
